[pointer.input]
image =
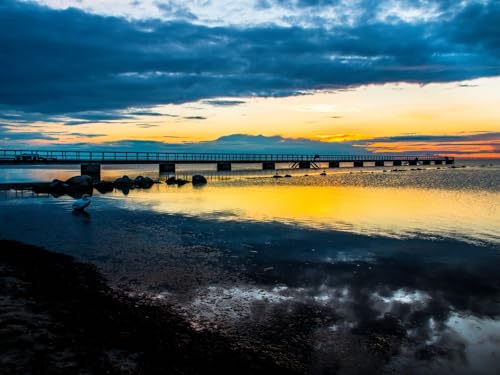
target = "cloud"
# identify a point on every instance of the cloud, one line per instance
(481, 136)
(175, 10)
(101, 116)
(195, 118)
(149, 113)
(87, 135)
(9, 135)
(275, 144)
(234, 143)
(474, 144)
(67, 61)
(224, 103)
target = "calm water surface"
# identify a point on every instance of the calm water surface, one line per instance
(404, 261)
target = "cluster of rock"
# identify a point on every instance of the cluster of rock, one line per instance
(84, 185)
(176, 181)
(74, 185)
(138, 182)
(197, 180)
(125, 184)
(78, 185)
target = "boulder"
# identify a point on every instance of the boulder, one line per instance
(58, 186)
(143, 182)
(171, 181)
(123, 181)
(104, 186)
(148, 182)
(181, 182)
(41, 188)
(80, 183)
(198, 179)
(176, 181)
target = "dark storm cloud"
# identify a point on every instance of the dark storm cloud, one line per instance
(479, 24)
(7, 134)
(60, 62)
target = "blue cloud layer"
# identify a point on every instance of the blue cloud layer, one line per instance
(63, 61)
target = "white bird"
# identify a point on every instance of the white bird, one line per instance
(82, 203)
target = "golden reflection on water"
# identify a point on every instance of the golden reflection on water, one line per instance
(401, 211)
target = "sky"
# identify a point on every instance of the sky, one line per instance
(329, 77)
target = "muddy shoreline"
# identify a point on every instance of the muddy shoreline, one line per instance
(58, 316)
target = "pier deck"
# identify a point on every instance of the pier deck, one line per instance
(91, 161)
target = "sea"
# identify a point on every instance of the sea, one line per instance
(330, 267)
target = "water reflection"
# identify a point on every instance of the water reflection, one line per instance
(437, 311)
(396, 212)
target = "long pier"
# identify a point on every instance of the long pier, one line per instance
(91, 161)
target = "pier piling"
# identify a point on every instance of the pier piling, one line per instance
(268, 165)
(167, 167)
(91, 169)
(223, 166)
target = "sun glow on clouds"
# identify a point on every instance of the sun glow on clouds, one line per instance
(369, 116)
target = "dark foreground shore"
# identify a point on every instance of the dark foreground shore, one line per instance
(57, 316)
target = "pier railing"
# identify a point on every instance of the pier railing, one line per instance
(52, 156)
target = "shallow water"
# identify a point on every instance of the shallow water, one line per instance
(404, 261)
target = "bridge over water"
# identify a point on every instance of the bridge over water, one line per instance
(91, 161)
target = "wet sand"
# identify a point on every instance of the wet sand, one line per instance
(58, 316)
(351, 316)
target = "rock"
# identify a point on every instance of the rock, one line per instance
(104, 187)
(123, 181)
(143, 182)
(171, 180)
(148, 182)
(176, 181)
(198, 179)
(41, 188)
(80, 183)
(288, 176)
(138, 180)
(277, 176)
(181, 182)
(58, 186)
